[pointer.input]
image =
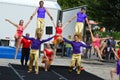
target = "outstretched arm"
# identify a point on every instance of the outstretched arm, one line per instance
(53, 24)
(91, 33)
(68, 41)
(49, 14)
(65, 24)
(72, 18)
(34, 13)
(27, 23)
(45, 40)
(11, 22)
(115, 53)
(29, 38)
(87, 22)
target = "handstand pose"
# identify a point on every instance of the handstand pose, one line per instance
(41, 10)
(19, 33)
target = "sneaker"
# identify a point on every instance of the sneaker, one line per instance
(29, 71)
(46, 70)
(74, 68)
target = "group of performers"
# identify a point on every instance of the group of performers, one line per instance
(58, 38)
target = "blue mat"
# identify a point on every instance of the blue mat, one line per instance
(8, 52)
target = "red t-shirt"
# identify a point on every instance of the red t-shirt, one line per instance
(58, 30)
(118, 52)
(48, 53)
(26, 43)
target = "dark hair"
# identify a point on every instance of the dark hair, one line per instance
(21, 20)
(82, 8)
(41, 1)
(118, 43)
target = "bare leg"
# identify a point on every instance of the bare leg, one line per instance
(55, 49)
(113, 70)
(99, 53)
(17, 48)
(46, 65)
(103, 47)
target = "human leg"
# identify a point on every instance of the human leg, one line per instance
(113, 70)
(40, 26)
(32, 56)
(17, 48)
(46, 64)
(98, 52)
(27, 55)
(22, 57)
(78, 64)
(55, 49)
(36, 61)
(72, 64)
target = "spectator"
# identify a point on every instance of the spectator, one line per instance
(68, 47)
(112, 43)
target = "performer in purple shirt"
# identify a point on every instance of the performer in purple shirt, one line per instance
(41, 10)
(76, 44)
(81, 17)
(34, 52)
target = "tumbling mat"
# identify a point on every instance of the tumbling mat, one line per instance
(8, 52)
(55, 73)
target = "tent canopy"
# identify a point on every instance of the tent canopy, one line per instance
(47, 3)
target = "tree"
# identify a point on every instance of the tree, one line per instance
(106, 12)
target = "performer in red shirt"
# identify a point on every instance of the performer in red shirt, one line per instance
(47, 59)
(58, 36)
(25, 49)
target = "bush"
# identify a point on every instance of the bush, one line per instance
(115, 35)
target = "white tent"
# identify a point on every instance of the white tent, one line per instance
(23, 9)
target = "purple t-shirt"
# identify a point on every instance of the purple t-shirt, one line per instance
(81, 17)
(41, 12)
(76, 46)
(36, 42)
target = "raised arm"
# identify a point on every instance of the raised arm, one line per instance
(91, 33)
(28, 38)
(72, 18)
(49, 14)
(34, 13)
(53, 24)
(27, 23)
(85, 45)
(115, 53)
(16, 25)
(87, 22)
(65, 24)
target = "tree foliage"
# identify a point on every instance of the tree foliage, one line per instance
(106, 12)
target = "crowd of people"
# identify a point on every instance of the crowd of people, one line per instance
(31, 45)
